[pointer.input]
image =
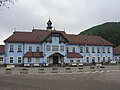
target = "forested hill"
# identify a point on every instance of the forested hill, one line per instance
(109, 31)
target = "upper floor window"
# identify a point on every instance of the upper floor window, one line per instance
(11, 59)
(108, 50)
(19, 48)
(48, 48)
(30, 48)
(98, 50)
(55, 48)
(11, 48)
(67, 49)
(1, 59)
(103, 49)
(93, 50)
(73, 49)
(19, 59)
(61, 48)
(81, 49)
(87, 49)
(37, 49)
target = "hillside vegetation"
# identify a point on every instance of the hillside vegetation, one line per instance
(109, 31)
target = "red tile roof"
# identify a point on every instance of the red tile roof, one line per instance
(74, 55)
(34, 55)
(2, 49)
(37, 36)
(116, 51)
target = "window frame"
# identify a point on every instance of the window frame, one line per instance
(11, 59)
(20, 59)
(11, 48)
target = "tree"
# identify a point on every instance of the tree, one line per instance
(4, 2)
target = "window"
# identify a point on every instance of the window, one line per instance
(98, 59)
(87, 59)
(78, 61)
(103, 59)
(11, 48)
(93, 50)
(30, 48)
(109, 59)
(48, 60)
(119, 58)
(67, 49)
(98, 50)
(1, 59)
(71, 61)
(48, 48)
(19, 48)
(73, 49)
(108, 50)
(55, 48)
(61, 48)
(81, 49)
(11, 59)
(37, 60)
(87, 50)
(115, 58)
(103, 49)
(37, 49)
(19, 59)
(29, 60)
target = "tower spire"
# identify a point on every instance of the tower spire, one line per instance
(49, 25)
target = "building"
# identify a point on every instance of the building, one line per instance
(2, 54)
(53, 47)
(116, 53)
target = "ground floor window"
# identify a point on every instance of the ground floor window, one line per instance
(1, 59)
(98, 59)
(103, 59)
(29, 60)
(87, 59)
(37, 60)
(11, 59)
(19, 59)
(48, 60)
(78, 61)
(71, 61)
(108, 58)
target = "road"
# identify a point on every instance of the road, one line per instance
(88, 81)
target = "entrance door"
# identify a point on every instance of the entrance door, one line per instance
(55, 60)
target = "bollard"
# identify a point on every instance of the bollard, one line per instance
(41, 70)
(68, 70)
(80, 69)
(54, 70)
(92, 68)
(8, 71)
(24, 71)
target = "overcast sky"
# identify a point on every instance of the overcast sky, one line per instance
(73, 15)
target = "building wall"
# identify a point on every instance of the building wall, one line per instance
(56, 42)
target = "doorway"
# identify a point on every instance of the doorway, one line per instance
(55, 60)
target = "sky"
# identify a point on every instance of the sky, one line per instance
(73, 16)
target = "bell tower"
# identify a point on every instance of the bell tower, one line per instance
(49, 25)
